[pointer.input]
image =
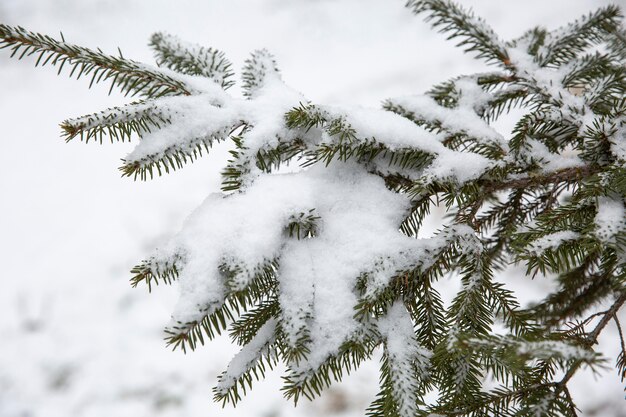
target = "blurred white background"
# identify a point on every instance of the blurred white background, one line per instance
(75, 339)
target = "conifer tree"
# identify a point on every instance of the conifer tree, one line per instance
(321, 266)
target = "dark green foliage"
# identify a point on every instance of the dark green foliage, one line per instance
(578, 36)
(475, 35)
(129, 76)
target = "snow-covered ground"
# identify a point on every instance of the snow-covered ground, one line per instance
(75, 339)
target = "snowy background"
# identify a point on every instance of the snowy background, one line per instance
(75, 339)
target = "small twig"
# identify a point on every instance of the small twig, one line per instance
(570, 402)
(592, 339)
(564, 175)
(620, 332)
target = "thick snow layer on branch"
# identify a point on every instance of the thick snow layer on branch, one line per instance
(458, 166)
(212, 114)
(397, 132)
(248, 357)
(266, 113)
(409, 363)
(357, 227)
(193, 119)
(455, 120)
(389, 128)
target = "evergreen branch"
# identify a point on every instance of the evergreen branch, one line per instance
(400, 390)
(617, 42)
(310, 383)
(512, 353)
(579, 290)
(446, 251)
(602, 93)
(118, 123)
(448, 93)
(500, 402)
(477, 137)
(405, 365)
(215, 320)
(592, 338)
(151, 271)
(129, 76)
(564, 43)
(345, 144)
(233, 391)
(259, 70)
(192, 59)
(420, 208)
(504, 101)
(267, 159)
(170, 160)
(505, 304)
(244, 328)
(235, 170)
(396, 182)
(174, 156)
(429, 311)
(584, 70)
(532, 39)
(621, 358)
(260, 289)
(475, 34)
(469, 312)
(566, 256)
(252, 361)
(271, 158)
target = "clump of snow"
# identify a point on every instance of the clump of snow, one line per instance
(549, 81)
(421, 256)
(550, 348)
(551, 161)
(358, 226)
(247, 357)
(610, 219)
(193, 120)
(265, 112)
(389, 128)
(397, 132)
(447, 166)
(409, 363)
(462, 119)
(552, 241)
(471, 95)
